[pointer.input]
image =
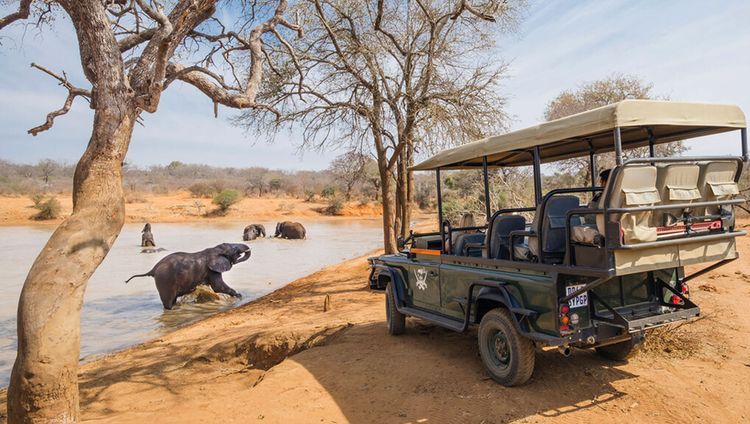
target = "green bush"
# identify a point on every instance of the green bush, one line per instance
(37, 199)
(225, 199)
(48, 209)
(328, 192)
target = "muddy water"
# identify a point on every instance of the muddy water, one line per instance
(116, 315)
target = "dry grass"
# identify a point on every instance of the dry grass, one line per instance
(685, 340)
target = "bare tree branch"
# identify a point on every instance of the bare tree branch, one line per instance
(73, 92)
(22, 13)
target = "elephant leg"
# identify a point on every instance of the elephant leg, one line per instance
(219, 286)
(167, 293)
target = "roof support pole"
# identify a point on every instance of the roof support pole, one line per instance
(592, 164)
(440, 212)
(486, 189)
(618, 146)
(651, 139)
(743, 134)
(537, 175)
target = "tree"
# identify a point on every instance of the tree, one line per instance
(130, 52)
(591, 95)
(348, 170)
(47, 168)
(389, 78)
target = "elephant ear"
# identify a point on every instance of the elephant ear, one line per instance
(218, 263)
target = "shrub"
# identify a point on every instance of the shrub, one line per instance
(202, 190)
(335, 206)
(37, 199)
(328, 192)
(309, 195)
(48, 209)
(225, 199)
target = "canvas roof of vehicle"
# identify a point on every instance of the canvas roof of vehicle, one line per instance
(576, 135)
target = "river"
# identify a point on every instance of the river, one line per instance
(116, 315)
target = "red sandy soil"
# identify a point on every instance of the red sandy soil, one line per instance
(286, 359)
(181, 207)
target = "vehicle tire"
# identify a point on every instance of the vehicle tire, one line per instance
(618, 351)
(395, 319)
(507, 355)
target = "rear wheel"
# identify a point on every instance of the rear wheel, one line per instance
(507, 355)
(395, 319)
(618, 351)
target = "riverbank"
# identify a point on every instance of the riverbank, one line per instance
(181, 207)
(317, 351)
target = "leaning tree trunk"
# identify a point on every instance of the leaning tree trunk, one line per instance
(44, 381)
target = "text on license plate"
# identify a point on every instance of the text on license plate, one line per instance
(580, 300)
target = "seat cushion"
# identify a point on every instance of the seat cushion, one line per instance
(522, 252)
(586, 235)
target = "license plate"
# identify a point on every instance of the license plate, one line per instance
(578, 301)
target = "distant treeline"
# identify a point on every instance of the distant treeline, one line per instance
(50, 176)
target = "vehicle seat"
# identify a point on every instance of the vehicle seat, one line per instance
(463, 244)
(500, 229)
(552, 228)
(634, 186)
(716, 182)
(677, 183)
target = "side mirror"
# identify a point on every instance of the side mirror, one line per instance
(400, 242)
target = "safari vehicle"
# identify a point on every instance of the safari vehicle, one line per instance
(575, 276)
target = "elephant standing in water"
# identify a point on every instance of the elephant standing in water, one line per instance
(147, 238)
(290, 230)
(180, 273)
(253, 231)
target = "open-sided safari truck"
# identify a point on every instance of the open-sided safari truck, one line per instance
(575, 275)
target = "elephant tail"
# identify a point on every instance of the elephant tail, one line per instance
(148, 274)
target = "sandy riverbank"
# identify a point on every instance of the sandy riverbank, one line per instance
(284, 359)
(181, 207)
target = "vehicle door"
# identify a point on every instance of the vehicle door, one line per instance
(424, 279)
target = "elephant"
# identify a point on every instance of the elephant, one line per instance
(147, 238)
(253, 231)
(290, 230)
(180, 273)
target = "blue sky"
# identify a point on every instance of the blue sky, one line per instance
(690, 50)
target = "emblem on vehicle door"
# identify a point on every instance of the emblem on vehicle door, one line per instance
(421, 275)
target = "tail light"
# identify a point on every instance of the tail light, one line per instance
(564, 318)
(676, 299)
(685, 290)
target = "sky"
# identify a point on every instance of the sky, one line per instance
(690, 50)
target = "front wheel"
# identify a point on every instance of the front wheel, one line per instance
(507, 355)
(617, 352)
(395, 319)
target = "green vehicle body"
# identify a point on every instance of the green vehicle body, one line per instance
(436, 288)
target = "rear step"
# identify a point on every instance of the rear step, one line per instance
(648, 322)
(644, 316)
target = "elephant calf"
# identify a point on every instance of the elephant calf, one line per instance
(253, 231)
(290, 230)
(180, 273)
(147, 238)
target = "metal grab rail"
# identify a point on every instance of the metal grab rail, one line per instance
(677, 206)
(680, 240)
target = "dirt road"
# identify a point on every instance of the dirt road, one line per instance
(283, 359)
